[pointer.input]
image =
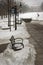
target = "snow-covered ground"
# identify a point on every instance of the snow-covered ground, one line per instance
(26, 56)
(37, 17)
(19, 33)
(33, 15)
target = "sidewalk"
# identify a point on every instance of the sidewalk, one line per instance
(36, 32)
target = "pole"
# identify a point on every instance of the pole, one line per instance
(15, 17)
(9, 15)
(15, 22)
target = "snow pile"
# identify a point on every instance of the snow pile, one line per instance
(26, 56)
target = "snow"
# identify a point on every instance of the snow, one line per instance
(26, 56)
(19, 33)
(32, 15)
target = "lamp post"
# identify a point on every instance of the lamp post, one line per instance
(15, 11)
(15, 17)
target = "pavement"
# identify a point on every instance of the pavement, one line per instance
(37, 22)
(36, 31)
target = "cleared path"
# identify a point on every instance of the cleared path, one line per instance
(36, 32)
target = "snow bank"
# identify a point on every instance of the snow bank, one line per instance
(26, 56)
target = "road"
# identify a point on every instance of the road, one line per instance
(36, 32)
